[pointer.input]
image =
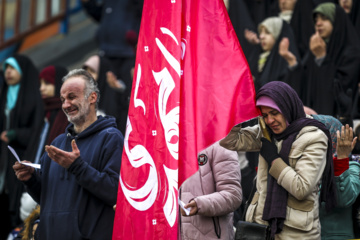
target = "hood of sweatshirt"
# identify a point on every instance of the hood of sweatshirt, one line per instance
(101, 123)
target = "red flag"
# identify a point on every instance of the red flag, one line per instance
(217, 90)
(191, 85)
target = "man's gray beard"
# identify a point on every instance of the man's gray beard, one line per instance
(77, 121)
(81, 118)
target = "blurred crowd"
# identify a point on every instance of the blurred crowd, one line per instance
(314, 46)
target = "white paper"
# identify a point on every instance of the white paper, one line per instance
(34, 165)
(14, 153)
(182, 204)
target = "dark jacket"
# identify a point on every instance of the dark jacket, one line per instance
(76, 203)
(121, 15)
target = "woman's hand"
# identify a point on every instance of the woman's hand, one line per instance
(317, 45)
(193, 211)
(345, 142)
(285, 53)
(3, 137)
(251, 37)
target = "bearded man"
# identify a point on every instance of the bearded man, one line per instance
(78, 181)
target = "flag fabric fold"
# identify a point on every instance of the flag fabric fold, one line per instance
(217, 89)
(191, 85)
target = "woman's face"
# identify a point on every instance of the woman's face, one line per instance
(92, 72)
(287, 5)
(267, 40)
(274, 119)
(46, 89)
(323, 25)
(12, 76)
(346, 5)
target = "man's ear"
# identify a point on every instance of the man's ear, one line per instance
(93, 97)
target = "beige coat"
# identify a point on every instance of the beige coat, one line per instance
(301, 179)
(217, 192)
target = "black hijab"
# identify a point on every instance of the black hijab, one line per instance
(26, 120)
(343, 36)
(108, 95)
(292, 108)
(260, 9)
(354, 15)
(339, 71)
(302, 23)
(241, 19)
(27, 115)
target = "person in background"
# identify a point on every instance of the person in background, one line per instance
(280, 8)
(356, 149)
(242, 21)
(286, 8)
(288, 181)
(101, 69)
(21, 118)
(346, 5)
(212, 194)
(27, 206)
(55, 120)
(124, 16)
(328, 79)
(31, 227)
(302, 23)
(347, 185)
(117, 84)
(269, 65)
(352, 9)
(78, 182)
(356, 205)
(356, 214)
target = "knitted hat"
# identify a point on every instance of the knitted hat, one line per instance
(27, 205)
(326, 9)
(48, 74)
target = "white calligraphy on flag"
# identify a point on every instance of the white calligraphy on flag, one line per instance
(139, 155)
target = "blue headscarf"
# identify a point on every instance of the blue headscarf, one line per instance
(13, 90)
(333, 125)
(12, 62)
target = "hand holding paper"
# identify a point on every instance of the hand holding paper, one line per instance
(186, 210)
(34, 165)
(23, 170)
(189, 209)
